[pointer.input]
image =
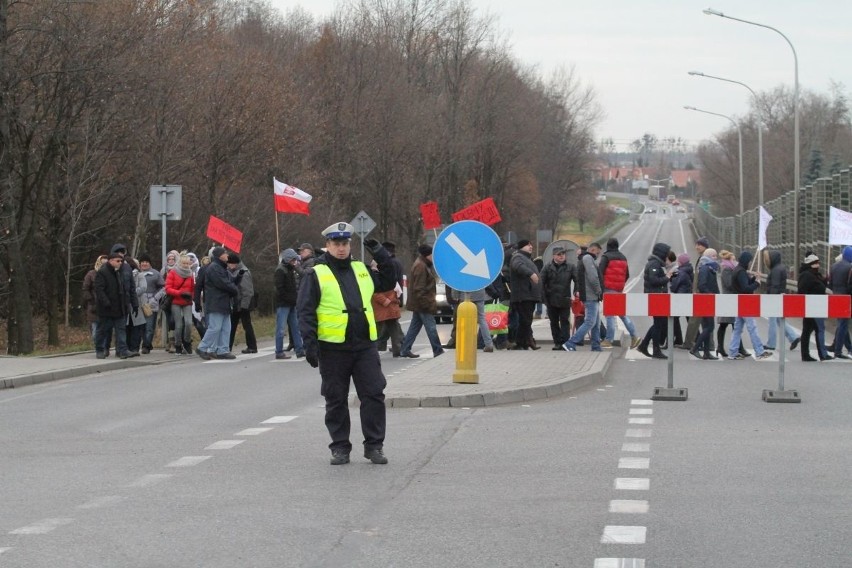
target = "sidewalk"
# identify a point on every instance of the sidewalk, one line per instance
(504, 376)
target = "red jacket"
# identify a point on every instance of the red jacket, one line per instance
(175, 284)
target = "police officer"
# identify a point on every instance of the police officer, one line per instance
(339, 334)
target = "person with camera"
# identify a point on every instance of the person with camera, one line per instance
(339, 333)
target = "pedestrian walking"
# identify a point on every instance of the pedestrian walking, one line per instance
(708, 283)
(244, 304)
(590, 287)
(615, 273)
(745, 282)
(422, 303)
(286, 294)
(339, 331)
(776, 283)
(840, 282)
(656, 281)
(812, 282)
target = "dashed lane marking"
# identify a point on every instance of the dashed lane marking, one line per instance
(641, 402)
(637, 433)
(632, 483)
(43, 527)
(279, 419)
(101, 502)
(645, 421)
(224, 444)
(150, 479)
(252, 431)
(628, 506)
(637, 411)
(631, 447)
(619, 563)
(188, 461)
(634, 463)
(620, 534)
(2, 550)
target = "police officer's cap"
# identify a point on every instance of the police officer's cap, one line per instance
(338, 231)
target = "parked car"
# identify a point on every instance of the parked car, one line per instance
(650, 210)
(445, 309)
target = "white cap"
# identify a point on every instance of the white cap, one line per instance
(338, 231)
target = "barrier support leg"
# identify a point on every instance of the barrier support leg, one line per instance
(781, 395)
(670, 392)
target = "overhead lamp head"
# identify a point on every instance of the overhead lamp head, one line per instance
(712, 12)
(689, 107)
(695, 73)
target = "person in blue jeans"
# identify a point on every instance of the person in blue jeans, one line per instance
(285, 304)
(745, 282)
(776, 283)
(590, 286)
(219, 290)
(421, 302)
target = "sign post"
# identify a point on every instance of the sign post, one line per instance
(164, 204)
(363, 224)
(468, 256)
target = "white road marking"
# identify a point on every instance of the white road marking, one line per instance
(279, 419)
(618, 534)
(645, 421)
(628, 447)
(2, 550)
(619, 563)
(641, 402)
(188, 461)
(42, 527)
(633, 483)
(252, 431)
(641, 411)
(628, 506)
(224, 444)
(150, 479)
(101, 502)
(637, 433)
(634, 463)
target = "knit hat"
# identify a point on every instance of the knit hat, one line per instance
(424, 250)
(847, 254)
(522, 243)
(233, 258)
(710, 253)
(811, 259)
(289, 255)
(703, 241)
(216, 252)
(682, 259)
(304, 246)
(144, 257)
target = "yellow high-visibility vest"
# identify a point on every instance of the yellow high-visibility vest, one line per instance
(331, 311)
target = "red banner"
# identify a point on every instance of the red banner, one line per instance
(221, 232)
(430, 214)
(484, 211)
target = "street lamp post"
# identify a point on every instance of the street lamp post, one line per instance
(759, 131)
(740, 139)
(796, 164)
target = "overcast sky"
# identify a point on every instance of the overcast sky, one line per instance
(636, 54)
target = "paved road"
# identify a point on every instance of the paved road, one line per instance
(223, 464)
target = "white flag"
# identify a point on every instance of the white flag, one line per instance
(765, 218)
(839, 227)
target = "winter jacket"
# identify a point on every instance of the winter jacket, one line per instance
(654, 278)
(840, 276)
(422, 287)
(708, 281)
(386, 306)
(90, 301)
(154, 289)
(556, 280)
(112, 296)
(681, 282)
(176, 285)
(219, 288)
(744, 283)
(589, 279)
(810, 281)
(776, 282)
(523, 289)
(285, 285)
(246, 287)
(614, 270)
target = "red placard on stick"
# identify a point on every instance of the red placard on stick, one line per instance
(484, 211)
(430, 214)
(221, 232)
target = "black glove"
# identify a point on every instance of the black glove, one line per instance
(372, 245)
(312, 359)
(198, 307)
(186, 295)
(241, 271)
(135, 312)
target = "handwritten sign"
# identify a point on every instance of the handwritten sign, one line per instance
(221, 232)
(484, 211)
(430, 214)
(839, 227)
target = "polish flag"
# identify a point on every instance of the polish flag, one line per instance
(289, 199)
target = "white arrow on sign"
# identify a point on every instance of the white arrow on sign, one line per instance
(477, 264)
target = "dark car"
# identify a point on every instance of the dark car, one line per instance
(445, 309)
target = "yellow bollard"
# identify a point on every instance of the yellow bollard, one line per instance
(467, 326)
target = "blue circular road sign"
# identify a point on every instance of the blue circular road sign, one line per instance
(468, 255)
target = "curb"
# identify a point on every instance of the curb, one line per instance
(73, 372)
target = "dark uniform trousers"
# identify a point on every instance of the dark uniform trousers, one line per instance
(366, 371)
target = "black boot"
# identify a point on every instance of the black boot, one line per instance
(720, 343)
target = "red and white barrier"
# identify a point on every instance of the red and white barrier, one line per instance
(729, 305)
